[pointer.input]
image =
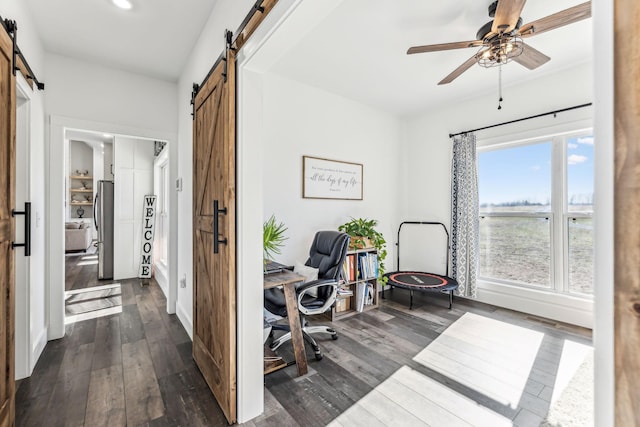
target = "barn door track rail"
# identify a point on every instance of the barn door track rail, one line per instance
(19, 61)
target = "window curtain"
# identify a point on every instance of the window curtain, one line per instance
(465, 222)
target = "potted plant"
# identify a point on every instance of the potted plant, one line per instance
(364, 235)
(272, 238)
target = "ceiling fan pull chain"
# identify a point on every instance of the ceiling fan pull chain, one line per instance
(500, 87)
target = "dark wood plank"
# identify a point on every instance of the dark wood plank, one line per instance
(142, 393)
(68, 401)
(77, 360)
(107, 350)
(128, 296)
(154, 326)
(195, 405)
(131, 327)
(80, 333)
(105, 401)
(165, 356)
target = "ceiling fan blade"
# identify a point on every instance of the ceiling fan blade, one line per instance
(531, 58)
(557, 20)
(507, 15)
(461, 69)
(444, 46)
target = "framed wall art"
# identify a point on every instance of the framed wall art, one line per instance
(331, 179)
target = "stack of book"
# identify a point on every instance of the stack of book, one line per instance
(362, 266)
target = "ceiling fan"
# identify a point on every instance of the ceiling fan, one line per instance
(500, 40)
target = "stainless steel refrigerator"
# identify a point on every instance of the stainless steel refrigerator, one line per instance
(103, 219)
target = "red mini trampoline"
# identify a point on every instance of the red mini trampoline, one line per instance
(419, 280)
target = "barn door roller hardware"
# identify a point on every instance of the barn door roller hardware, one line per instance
(11, 28)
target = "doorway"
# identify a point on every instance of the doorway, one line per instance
(64, 132)
(103, 218)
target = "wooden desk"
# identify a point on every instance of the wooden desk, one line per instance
(287, 280)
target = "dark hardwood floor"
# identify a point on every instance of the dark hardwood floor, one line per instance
(135, 368)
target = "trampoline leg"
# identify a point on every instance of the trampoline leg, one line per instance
(383, 292)
(450, 299)
(410, 299)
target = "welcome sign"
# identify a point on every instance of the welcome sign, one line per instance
(148, 231)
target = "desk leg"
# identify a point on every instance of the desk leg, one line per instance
(296, 330)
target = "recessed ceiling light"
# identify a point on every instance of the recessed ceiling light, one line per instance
(123, 4)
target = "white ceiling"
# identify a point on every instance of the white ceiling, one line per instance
(155, 38)
(359, 51)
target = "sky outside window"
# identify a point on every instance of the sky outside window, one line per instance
(580, 168)
(517, 176)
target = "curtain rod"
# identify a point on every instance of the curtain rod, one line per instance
(575, 107)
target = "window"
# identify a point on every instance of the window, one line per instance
(536, 206)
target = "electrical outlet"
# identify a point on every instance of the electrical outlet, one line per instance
(183, 281)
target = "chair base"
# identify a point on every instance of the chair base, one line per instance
(306, 333)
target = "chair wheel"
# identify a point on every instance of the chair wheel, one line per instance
(334, 337)
(318, 356)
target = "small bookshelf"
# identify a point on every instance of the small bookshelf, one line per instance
(358, 291)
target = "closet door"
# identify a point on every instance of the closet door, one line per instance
(7, 228)
(214, 239)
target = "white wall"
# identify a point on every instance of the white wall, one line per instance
(301, 120)
(133, 167)
(29, 346)
(427, 162)
(83, 90)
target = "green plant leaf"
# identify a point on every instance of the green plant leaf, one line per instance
(364, 227)
(272, 238)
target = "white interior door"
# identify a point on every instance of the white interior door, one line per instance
(133, 178)
(23, 319)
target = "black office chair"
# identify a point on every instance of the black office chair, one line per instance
(327, 254)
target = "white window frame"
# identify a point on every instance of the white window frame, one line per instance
(559, 229)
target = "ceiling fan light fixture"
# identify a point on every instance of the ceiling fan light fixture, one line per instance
(501, 50)
(123, 4)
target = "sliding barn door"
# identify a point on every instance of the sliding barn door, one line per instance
(214, 269)
(7, 227)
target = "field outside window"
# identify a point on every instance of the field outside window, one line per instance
(536, 203)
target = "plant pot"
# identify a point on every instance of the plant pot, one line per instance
(359, 242)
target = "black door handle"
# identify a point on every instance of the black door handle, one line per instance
(27, 229)
(216, 214)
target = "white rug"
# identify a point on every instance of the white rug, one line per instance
(574, 405)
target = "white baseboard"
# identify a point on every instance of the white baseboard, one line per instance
(160, 274)
(564, 308)
(185, 319)
(38, 348)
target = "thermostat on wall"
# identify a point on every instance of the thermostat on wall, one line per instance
(178, 184)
